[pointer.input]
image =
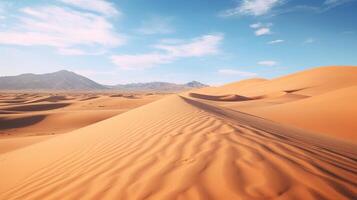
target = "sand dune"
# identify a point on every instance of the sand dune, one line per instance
(192, 150)
(34, 115)
(56, 98)
(310, 82)
(11, 144)
(230, 88)
(47, 114)
(18, 122)
(37, 107)
(287, 138)
(320, 100)
(333, 113)
(228, 97)
(51, 122)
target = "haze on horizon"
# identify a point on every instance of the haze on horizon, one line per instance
(213, 42)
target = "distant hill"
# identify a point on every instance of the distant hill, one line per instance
(60, 80)
(67, 80)
(195, 84)
(159, 86)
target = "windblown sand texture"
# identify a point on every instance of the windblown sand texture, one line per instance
(322, 100)
(26, 118)
(183, 147)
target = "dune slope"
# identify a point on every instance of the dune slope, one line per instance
(321, 100)
(333, 113)
(47, 114)
(309, 82)
(180, 148)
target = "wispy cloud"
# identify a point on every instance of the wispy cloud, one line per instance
(324, 6)
(156, 25)
(261, 28)
(233, 72)
(269, 63)
(252, 7)
(309, 41)
(276, 41)
(262, 31)
(166, 53)
(333, 3)
(68, 30)
(102, 7)
(3, 10)
(256, 25)
(80, 52)
(277, 7)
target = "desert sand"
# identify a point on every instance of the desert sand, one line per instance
(203, 144)
(26, 118)
(321, 100)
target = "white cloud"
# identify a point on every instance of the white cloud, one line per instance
(262, 31)
(233, 72)
(167, 53)
(256, 25)
(61, 28)
(205, 45)
(268, 63)
(276, 41)
(99, 6)
(265, 7)
(252, 7)
(156, 25)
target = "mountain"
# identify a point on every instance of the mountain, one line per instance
(195, 84)
(67, 80)
(159, 86)
(60, 80)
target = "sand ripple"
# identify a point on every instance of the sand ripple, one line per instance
(177, 148)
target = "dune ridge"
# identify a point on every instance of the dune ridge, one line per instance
(47, 114)
(332, 113)
(191, 150)
(228, 97)
(320, 100)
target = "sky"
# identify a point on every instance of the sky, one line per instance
(211, 41)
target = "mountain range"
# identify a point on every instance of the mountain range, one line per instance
(67, 80)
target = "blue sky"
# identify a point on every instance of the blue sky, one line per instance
(212, 41)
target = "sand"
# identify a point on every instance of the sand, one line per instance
(24, 116)
(333, 113)
(48, 114)
(184, 146)
(321, 100)
(191, 150)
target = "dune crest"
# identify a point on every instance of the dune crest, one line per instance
(320, 100)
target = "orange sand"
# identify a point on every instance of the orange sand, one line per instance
(187, 147)
(27, 115)
(321, 100)
(191, 150)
